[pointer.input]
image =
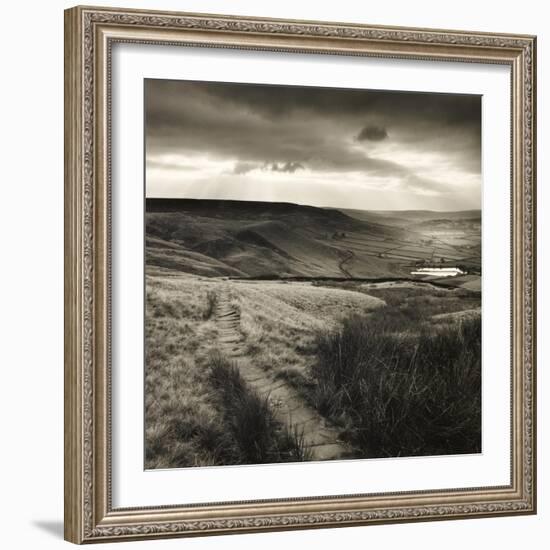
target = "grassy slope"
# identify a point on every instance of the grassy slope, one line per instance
(280, 321)
(285, 326)
(404, 379)
(258, 239)
(189, 421)
(184, 424)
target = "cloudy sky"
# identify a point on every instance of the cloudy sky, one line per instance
(371, 150)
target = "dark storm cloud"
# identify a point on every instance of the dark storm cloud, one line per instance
(372, 133)
(286, 129)
(289, 167)
(275, 102)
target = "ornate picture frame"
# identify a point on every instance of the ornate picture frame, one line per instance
(90, 34)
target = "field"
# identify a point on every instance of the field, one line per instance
(278, 332)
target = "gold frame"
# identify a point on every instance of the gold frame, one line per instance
(89, 35)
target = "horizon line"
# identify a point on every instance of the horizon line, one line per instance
(321, 207)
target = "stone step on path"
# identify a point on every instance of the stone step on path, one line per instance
(288, 406)
(229, 321)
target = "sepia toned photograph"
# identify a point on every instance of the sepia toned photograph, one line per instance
(300, 274)
(312, 274)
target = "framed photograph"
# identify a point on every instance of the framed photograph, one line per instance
(300, 274)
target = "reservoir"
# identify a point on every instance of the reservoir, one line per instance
(439, 271)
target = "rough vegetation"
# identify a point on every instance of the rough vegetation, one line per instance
(400, 396)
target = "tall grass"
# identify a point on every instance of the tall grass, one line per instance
(182, 425)
(258, 436)
(398, 395)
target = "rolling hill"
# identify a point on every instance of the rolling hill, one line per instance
(413, 218)
(214, 238)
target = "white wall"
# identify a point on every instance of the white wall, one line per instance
(31, 212)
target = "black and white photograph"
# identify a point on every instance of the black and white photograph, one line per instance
(312, 274)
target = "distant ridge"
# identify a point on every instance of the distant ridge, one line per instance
(259, 210)
(442, 213)
(408, 218)
(175, 205)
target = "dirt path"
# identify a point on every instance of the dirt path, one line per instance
(289, 408)
(347, 255)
